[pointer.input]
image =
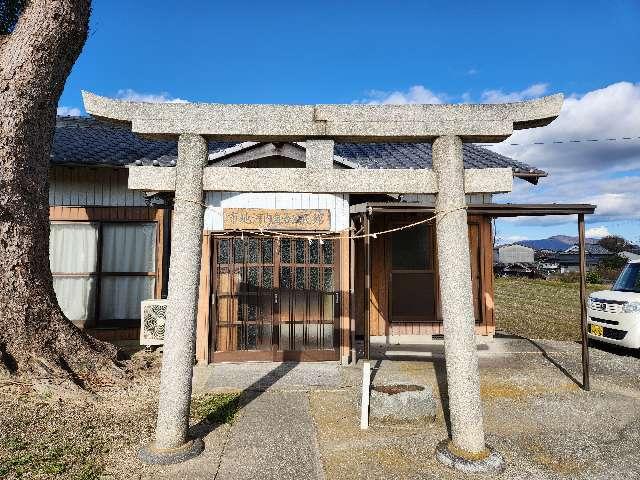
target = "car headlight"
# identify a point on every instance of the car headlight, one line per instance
(592, 303)
(631, 307)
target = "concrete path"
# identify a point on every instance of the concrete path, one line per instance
(275, 439)
(252, 376)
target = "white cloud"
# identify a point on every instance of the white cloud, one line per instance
(498, 96)
(69, 111)
(415, 94)
(502, 240)
(422, 94)
(472, 71)
(131, 95)
(597, 232)
(605, 173)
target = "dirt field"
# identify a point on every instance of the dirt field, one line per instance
(539, 308)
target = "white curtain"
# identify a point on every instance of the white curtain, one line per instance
(126, 247)
(73, 249)
(121, 296)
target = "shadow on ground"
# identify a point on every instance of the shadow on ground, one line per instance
(249, 394)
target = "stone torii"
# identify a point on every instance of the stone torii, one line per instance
(447, 127)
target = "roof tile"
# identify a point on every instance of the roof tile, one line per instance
(86, 141)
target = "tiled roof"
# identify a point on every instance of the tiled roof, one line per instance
(418, 155)
(590, 249)
(86, 141)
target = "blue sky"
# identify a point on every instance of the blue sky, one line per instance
(401, 51)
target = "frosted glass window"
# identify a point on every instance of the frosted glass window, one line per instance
(73, 252)
(128, 247)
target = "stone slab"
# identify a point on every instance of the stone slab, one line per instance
(359, 123)
(306, 180)
(403, 407)
(270, 376)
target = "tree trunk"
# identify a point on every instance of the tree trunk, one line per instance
(35, 60)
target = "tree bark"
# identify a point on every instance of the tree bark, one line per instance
(35, 61)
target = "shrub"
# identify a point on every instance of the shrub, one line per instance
(593, 276)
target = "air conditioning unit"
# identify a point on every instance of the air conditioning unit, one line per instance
(152, 321)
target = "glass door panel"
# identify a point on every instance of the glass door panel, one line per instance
(275, 294)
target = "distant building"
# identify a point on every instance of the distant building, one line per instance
(549, 267)
(629, 255)
(569, 260)
(509, 254)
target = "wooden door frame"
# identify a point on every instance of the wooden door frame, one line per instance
(485, 324)
(213, 356)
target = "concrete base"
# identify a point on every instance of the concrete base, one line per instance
(151, 455)
(382, 341)
(491, 463)
(402, 402)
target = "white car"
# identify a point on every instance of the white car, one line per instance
(614, 315)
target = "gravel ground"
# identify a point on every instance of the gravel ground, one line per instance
(535, 414)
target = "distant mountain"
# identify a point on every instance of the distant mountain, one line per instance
(556, 243)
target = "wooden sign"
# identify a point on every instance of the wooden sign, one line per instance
(276, 219)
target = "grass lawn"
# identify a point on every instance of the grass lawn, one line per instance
(90, 437)
(539, 308)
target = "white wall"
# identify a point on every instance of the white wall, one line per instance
(338, 204)
(515, 254)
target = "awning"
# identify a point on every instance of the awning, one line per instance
(489, 209)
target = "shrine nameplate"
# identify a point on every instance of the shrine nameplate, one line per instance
(276, 219)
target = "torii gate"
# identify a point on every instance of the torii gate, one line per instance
(446, 126)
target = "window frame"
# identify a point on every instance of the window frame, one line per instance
(431, 256)
(105, 215)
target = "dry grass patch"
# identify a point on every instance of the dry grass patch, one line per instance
(56, 435)
(539, 308)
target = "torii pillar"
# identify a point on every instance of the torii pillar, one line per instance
(446, 126)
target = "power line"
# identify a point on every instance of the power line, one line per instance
(558, 142)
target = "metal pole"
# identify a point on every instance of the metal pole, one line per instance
(367, 283)
(583, 304)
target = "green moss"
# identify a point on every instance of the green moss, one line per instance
(216, 407)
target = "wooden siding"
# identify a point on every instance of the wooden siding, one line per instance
(338, 204)
(480, 244)
(99, 186)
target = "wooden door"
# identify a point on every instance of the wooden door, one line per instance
(275, 296)
(412, 288)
